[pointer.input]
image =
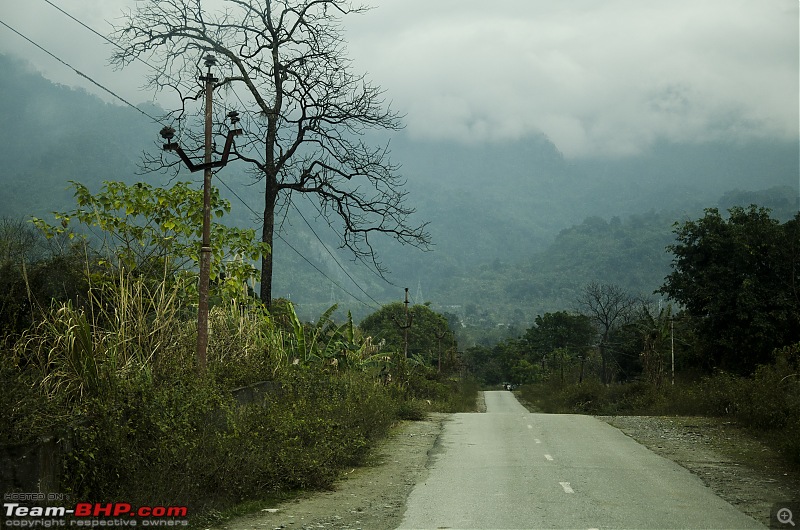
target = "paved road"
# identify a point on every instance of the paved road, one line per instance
(512, 469)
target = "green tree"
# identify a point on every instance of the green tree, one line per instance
(155, 232)
(738, 278)
(481, 363)
(562, 337)
(426, 325)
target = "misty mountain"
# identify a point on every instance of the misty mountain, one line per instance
(517, 227)
(52, 134)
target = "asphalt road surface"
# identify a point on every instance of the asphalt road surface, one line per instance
(509, 468)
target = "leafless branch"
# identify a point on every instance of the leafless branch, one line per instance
(307, 111)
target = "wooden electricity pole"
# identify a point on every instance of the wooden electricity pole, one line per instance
(205, 249)
(405, 325)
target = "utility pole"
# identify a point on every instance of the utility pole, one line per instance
(205, 249)
(672, 341)
(440, 334)
(405, 325)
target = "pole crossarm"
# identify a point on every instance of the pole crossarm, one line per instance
(168, 133)
(172, 146)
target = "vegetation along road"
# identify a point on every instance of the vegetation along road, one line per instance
(489, 471)
(513, 469)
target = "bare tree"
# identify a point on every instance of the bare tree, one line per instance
(608, 306)
(305, 112)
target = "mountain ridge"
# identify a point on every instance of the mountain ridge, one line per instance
(491, 207)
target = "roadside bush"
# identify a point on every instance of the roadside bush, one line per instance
(146, 441)
(190, 442)
(588, 398)
(768, 403)
(463, 395)
(412, 410)
(25, 411)
(638, 397)
(773, 400)
(422, 389)
(722, 394)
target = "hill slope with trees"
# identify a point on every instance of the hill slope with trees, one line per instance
(516, 227)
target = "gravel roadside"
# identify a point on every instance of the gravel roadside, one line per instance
(369, 497)
(736, 466)
(729, 460)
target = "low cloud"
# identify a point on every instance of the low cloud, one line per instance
(603, 78)
(598, 77)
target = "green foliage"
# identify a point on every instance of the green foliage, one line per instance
(768, 402)
(34, 272)
(25, 411)
(559, 337)
(561, 329)
(421, 389)
(115, 381)
(738, 278)
(246, 346)
(591, 397)
(507, 361)
(154, 231)
(429, 335)
(329, 344)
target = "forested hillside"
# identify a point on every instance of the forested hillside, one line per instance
(517, 228)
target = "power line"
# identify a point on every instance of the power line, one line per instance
(178, 81)
(334, 282)
(359, 258)
(186, 85)
(85, 76)
(94, 31)
(331, 254)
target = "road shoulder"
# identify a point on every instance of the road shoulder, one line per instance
(372, 496)
(730, 461)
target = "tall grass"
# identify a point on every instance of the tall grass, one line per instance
(116, 380)
(129, 328)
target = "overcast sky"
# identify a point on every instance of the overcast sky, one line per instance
(598, 77)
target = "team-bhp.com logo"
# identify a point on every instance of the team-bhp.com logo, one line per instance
(84, 514)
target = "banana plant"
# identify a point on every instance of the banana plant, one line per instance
(307, 340)
(326, 341)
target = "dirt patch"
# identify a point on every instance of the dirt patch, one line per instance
(735, 465)
(369, 497)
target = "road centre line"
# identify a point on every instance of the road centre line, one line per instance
(536, 440)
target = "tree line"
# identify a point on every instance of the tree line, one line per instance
(733, 300)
